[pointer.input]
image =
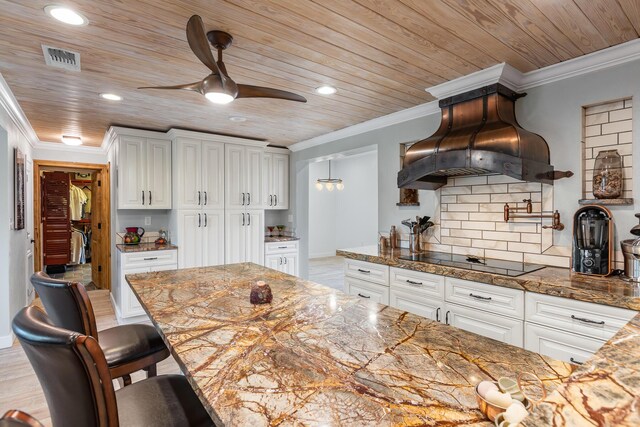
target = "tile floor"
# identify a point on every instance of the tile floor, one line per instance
(77, 273)
(328, 271)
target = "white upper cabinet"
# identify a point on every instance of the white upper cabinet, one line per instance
(276, 180)
(199, 174)
(244, 175)
(144, 171)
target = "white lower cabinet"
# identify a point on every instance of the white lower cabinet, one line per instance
(127, 306)
(406, 299)
(367, 290)
(282, 256)
(500, 328)
(200, 238)
(559, 344)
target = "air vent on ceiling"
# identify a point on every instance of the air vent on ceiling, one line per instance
(61, 58)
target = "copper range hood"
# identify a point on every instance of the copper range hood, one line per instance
(478, 135)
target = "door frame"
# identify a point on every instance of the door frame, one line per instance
(104, 204)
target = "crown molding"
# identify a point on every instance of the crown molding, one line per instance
(59, 146)
(401, 116)
(226, 139)
(10, 104)
(499, 73)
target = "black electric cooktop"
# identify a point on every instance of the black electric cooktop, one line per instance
(494, 266)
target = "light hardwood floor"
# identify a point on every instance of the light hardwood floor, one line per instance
(19, 386)
(328, 271)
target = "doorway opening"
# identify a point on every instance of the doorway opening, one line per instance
(72, 222)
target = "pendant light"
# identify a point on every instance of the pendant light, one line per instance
(329, 183)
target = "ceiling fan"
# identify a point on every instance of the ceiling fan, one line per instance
(218, 87)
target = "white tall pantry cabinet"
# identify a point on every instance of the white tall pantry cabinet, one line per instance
(276, 178)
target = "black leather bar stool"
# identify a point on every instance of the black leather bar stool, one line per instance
(16, 418)
(127, 348)
(74, 376)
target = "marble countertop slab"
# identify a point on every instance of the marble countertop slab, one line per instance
(272, 239)
(554, 281)
(604, 391)
(145, 247)
(316, 356)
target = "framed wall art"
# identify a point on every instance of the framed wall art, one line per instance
(19, 178)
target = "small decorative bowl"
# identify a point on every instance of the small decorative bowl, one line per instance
(490, 410)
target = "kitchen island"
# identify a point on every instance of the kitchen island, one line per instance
(316, 356)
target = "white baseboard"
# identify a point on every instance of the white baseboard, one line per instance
(6, 341)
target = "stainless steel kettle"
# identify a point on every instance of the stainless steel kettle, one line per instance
(631, 253)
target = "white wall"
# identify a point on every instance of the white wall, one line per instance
(322, 214)
(13, 243)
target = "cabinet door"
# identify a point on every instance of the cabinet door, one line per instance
(212, 175)
(255, 236)
(405, 299)
(291, 264)
(267, 181)
(158, 189)
(235, 236)
(275, 262)
(187, 173)
(131, 173)
(559, 344)
(234, 181)
(488, 324)
(212, 238)
(280, 181)
(254, 177)
(190, 232)
(366, 290)
(130, 304)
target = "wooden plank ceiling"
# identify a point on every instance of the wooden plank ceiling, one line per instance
(380, 54)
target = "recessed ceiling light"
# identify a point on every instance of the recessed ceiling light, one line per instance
(326, 90)
(237, 119)
(71, 140)
(111, 96)
(65, 14)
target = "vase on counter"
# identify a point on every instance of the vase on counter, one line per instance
(607, 175)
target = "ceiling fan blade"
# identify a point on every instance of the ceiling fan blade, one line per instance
(248, 91)
(199, 43)
(196, 87)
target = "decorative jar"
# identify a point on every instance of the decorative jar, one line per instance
(607, 175)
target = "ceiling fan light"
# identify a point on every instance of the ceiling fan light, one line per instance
(326, 90)
(111, 97)
(66, 15)
(71, 140)
(219, 97)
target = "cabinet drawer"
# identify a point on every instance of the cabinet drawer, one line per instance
(368, 271)
(406, 300)
(594, 320)
(280, 247)
(495, 299)
(504, 329)
(420, 284)
(150, 258)
(561, 345)
(367, 290)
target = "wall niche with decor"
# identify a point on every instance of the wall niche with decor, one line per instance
(607, 153)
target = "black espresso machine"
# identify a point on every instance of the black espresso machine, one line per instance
(593, 248)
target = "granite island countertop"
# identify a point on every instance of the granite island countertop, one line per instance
(316, 356)
(554, 281)
(145, 247)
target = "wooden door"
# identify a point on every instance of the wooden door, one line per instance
(56, 224)
(98, 261)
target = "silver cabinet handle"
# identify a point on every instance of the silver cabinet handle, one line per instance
(151, 259)
(205, 220)
(285, 260)
(438, 314)
(270, 200)
(149, 197)
(199, 220)
(142, 197)
(243, 220)
(364, 271)
(275, 197)
(242, 199)
(575, 361)
(480, 297)
(280, 258)
(282, 247)
(446, 317)
(248, 199)
(248, 219)
(199, 198)
(364, 296)
(582, 319)
(411, 282)
(205, 198)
